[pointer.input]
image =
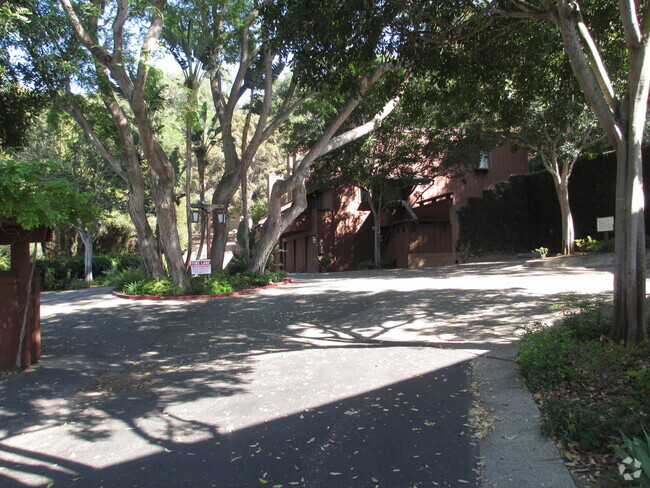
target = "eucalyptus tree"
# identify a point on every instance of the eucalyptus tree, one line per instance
(55, 138)
(111, 49)
(53, 61)
(255, 64)
(344, 61)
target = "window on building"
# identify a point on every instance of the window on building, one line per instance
(483, 161)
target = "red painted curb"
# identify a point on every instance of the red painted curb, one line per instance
(197, 297)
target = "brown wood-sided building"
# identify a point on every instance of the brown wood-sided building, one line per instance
(421, 230)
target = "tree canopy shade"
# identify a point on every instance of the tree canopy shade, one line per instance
(512, 85)
(610, 57)
(28, 194)
(108, 48)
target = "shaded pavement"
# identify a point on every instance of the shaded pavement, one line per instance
(341, 379)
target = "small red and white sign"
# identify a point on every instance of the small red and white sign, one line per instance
(201, 266)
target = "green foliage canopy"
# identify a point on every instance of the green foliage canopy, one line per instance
(27, 194)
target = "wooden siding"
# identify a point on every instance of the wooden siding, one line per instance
(503, 163)
(342, 225)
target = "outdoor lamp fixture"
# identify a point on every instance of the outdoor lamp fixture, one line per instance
(195, 216)
(210, 208)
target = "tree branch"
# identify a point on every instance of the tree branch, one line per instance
(630, 21)
(590, 83)
(597, 65)
(95, 49)
(72, 107)
(362, 130)
(148, 45)
(118, 29)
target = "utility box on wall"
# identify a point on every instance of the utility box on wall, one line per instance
(20, 296)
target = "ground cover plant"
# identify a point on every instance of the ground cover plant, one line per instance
(68, 272)
(593, 394)
(135, 282)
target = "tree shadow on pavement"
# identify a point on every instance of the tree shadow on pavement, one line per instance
(212, 381)
(342, 443)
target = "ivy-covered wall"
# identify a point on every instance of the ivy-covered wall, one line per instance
(523, 213)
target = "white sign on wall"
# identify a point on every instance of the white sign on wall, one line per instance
(201, 266)
(605, 224)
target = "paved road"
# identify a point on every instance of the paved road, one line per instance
(343, 379)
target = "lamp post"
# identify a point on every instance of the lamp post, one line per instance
(209, 209)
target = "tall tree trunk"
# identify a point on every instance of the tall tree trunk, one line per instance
(377, 221)
(244, 200)
(376, 229)
(201, 164)
(162, 190)
(276, 221)
(163, 180)
(147, 246)
(88, 238)
(568, 231)
(128, 169)
(222, 196)
(629, 325)
(623, 119)
(188, 188)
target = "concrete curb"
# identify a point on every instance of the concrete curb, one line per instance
(515, 448)
(199, 297)
(586, 260)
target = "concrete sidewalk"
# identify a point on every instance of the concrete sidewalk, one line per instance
(342, 379)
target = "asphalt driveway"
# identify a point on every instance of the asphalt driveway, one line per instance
(342, 379)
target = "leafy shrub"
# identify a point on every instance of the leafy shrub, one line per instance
(592, 245)
(60, 273)
(77, 283)
(592, 389)
(119, 279)
(216, 285)
(278, 276)
(133, 287)
(544, 357)
(542, 251)
(642, 378)
(250, 279)
(134, 282)
(585, 318)
(238, 264)
(324, 262)
(163, 288)
(570, 420)
(364, 265)
(602, 360)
